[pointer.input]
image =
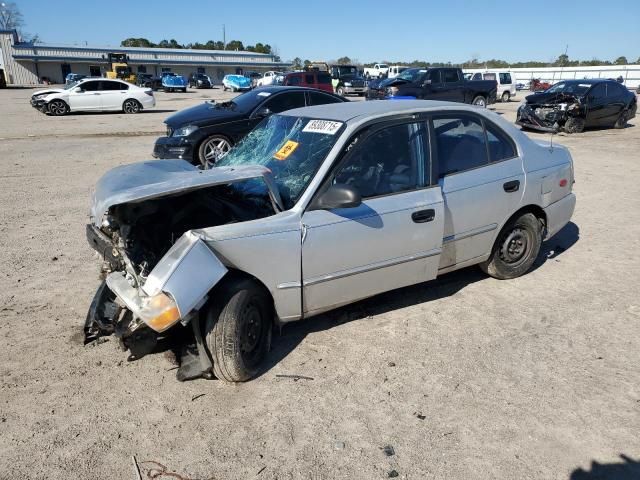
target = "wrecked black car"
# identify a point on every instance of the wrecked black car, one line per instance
(573, 105)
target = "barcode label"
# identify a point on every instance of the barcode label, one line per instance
(322, 126)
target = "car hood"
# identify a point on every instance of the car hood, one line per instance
(141, 181)
(239, 81)
(48, 91)
(551, 98)
(385, 82)
(207, 113)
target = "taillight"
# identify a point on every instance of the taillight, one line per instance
(563, 182)
(149, 92)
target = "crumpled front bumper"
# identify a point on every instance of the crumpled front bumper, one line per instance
(527, 118)
(173, 147)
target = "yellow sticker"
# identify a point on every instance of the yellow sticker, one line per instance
(286, 150)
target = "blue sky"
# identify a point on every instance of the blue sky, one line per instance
(365, 30)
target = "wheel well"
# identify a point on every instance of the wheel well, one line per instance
(534, 209)
(234, 275)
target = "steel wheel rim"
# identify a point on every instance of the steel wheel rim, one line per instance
(480, 102)
(57, 108)
(515, 246)
(214, 150)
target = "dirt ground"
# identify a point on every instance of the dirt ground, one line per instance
(465, 377)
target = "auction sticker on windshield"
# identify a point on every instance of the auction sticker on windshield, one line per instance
(322, 126)
(286, 150)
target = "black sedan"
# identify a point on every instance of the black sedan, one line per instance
(199, 80)
(205, 133)
(572, 105)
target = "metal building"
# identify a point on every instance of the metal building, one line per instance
(30, 64)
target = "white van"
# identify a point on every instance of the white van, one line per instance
(506, 83)
(395, 70)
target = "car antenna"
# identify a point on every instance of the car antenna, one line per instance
(551, 142)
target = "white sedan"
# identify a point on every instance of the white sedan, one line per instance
(93, 94)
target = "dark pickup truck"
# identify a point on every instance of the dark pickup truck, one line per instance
(446, 84)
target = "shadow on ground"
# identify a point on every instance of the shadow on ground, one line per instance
(449, 284)
(628, 470)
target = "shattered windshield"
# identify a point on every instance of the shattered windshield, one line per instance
(293, 148)
(572, 88)
(410, 74)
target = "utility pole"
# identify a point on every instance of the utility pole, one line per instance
(224, 37)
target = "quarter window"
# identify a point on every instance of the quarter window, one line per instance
(316, 98)
(500, 147)
(505, 79)
(390, 160)
(460, 143)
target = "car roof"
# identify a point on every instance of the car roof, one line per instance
(281, 88)
(590, 81)
(352, 111)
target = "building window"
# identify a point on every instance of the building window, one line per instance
(94, 71)
(166, 69)
(142, 69)
(220, 73)
(201, 70)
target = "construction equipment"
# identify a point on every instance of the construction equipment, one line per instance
(120, 67)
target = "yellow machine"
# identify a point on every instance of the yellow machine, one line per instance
(120, 68)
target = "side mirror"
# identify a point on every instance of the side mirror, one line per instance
(339, 195)
(263, 112)
(78, 90)
(426, 83)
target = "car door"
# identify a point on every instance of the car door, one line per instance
(615, 104)
(596, 105)
(87, 99)
(393, 238)
(449, 89)
(113, 94)
(482, 180)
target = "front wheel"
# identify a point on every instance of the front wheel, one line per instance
(213, 149)
(479, 101)
(516, 248)
(131, 106)
(340, 91)
(238, 330)
(57, 108)
(574, 125)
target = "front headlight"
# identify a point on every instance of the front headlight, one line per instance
(159, 312)
(347, 84)
(184, 131)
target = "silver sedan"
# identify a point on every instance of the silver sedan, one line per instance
(316, 208)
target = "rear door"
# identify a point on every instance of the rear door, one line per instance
(89, 98)
(616, 102)
(597, 104)
(482, 180)
(452, 90)
(113, 94)
(393, 239)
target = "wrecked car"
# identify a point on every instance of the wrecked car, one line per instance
(573, 105)
(316, 208)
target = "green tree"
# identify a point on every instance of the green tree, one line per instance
(621, 60)
(234, 45)
(137, 42)
(296, 64)
(344, 61)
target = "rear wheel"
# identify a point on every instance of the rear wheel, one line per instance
(479, 101)
(131, 106)
(516, 248)
(57, 108)
(213, 149)
(506, 96)
(622, 120)
(238, 330)
(574, 125)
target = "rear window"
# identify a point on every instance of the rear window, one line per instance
(505, 78)
(324, 78)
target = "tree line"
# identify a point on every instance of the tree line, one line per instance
(209, 45)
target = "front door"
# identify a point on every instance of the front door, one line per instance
(482, 181)
(87, 99)
(393, 239)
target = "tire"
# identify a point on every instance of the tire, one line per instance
(340, 91)
(515, 249)
(506, 96)
(131, 106)
(622, 120)
(479, 101)
(224, 89)
(58, 108)
(237, 330)
(207, 154)
(184, 90)
(574, 125)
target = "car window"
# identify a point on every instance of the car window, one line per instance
(285, 101)
(317, 98)
(112, 86)
(294, 80)
(598, 92)
(500, 147)
(434, 76)
(614, 89)
(449, 76)
(389, 160)
(489, 76)
(308, 79)
(324, 78)
(505, 78)
(460, 143)
(477, 76)
(90, 86)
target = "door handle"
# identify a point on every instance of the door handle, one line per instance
(511, 186)
(423, 216)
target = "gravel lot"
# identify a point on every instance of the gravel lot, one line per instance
(465, 377)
